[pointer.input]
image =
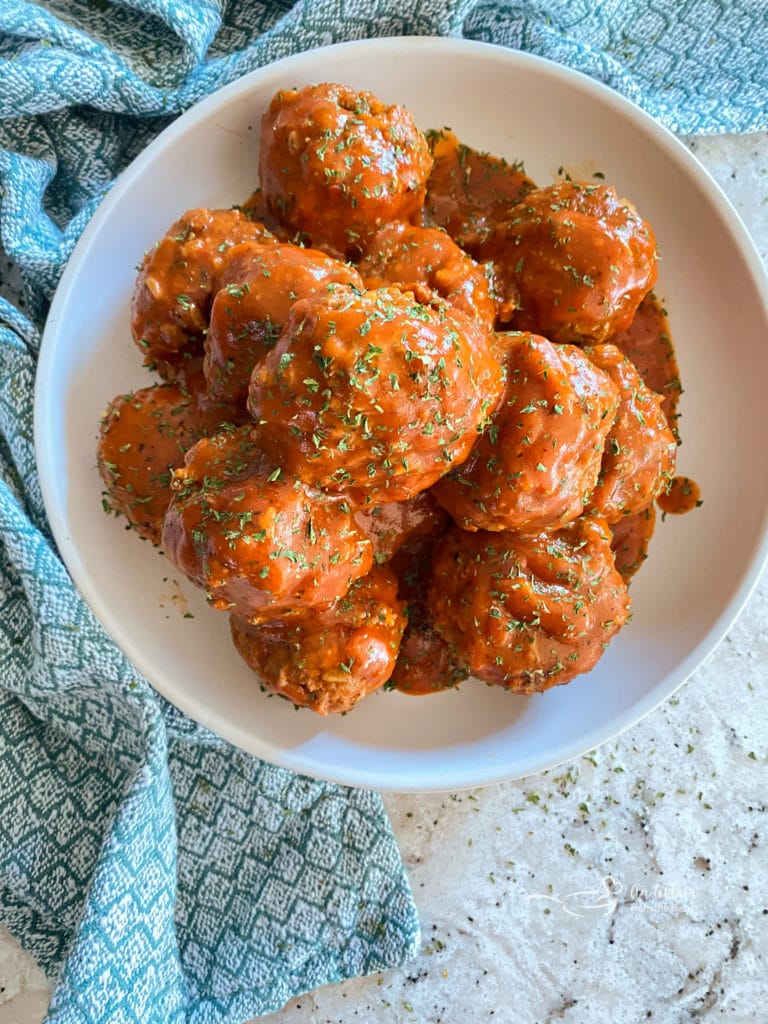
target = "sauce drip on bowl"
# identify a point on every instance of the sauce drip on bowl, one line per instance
(683, 495)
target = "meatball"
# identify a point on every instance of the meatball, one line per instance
(390, 527)
(648, 346)
(337, 165)
(580, 258)
(427, 263)
(426, 663)
(539, 457)
(143, 436)
(631, 538)
(374, 392)
(258, 290)
(327, 660)
(255, 208)
(468, 192)
(177, 278)
(261, 544)
(528, 613)
(640, 450)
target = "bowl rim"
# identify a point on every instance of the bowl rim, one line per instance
(45, 383)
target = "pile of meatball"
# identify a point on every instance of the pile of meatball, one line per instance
(392, 438)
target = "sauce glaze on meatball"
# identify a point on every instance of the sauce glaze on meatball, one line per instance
(329, 659)
(640, 450)
(337, 164)
(374, 393)
(580, 258)
(631, 539)
(426, 662)
(528, 612)
(539, 457)
(258, 290)
(425, 262)
(177, 278)
(393, 526)
(261, 543)
(469, 192)
(647, 344)
(143, 436)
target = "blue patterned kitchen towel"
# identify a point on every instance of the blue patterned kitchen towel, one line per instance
(158, 874)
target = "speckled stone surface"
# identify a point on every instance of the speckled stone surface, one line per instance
(629, 885)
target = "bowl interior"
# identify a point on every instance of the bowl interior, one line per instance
(701, 566)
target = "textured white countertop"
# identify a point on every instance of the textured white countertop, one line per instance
(625, 886)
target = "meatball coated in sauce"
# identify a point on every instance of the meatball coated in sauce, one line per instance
(429, 264)
(648, 346)
(468, 192)
(261, 543)
(640, 450)
(374, 393)
(328, 660)
(539, 457)
(337, 164)
(397, 524)
(426, 662)
(143, 436)
(177, 278)
(258, 290)
(528, 612)
(631, 539)
(580, 258)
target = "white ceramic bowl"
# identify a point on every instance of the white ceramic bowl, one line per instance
(702, 566)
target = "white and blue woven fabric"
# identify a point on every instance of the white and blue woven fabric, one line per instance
(158, 874)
